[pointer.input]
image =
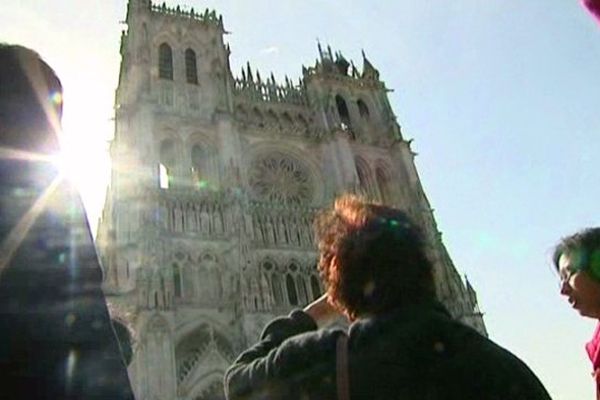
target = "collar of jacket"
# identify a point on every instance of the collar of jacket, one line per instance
(404, 314)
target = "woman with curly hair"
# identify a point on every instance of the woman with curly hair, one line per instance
(401, 343)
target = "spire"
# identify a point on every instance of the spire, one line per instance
(341, 63)
(369, 71)
(249, 72)
(320, 49)
(353, 69)
(471, 293)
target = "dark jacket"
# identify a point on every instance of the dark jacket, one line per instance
(414, 353)
(56, 336)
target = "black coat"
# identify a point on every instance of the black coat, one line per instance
(56, 336)
(414, 353)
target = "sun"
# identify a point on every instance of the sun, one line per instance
(86, 164)
(84, 155)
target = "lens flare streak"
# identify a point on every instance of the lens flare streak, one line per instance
(15, 237)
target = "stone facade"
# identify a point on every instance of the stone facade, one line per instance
(206, 232)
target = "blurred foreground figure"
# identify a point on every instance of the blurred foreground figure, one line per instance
(56, 337)
(594, 7)
(402, 343)
(577, 259)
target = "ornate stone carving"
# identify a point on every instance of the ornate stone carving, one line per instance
(279, 178)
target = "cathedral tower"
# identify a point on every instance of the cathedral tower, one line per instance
(206, 232)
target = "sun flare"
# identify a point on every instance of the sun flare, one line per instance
(84, 157)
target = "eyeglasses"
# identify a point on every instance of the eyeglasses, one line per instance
(565, 275)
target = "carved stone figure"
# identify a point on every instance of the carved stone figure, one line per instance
(204, 220)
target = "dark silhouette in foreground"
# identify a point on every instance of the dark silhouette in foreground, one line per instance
(56, 337)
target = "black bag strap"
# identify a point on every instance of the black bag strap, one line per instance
(342, 377)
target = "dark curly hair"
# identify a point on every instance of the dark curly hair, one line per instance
(372, 257)
(585, 246)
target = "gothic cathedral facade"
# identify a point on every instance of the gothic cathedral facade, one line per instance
(206, 232)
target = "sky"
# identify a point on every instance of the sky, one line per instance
(501, 98)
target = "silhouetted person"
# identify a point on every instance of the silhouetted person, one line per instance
(577, 260)
(402, 343)
(56, 338)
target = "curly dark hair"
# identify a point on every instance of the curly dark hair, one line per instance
(585, 244)
(372, 257)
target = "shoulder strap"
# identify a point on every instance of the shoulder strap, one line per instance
(342, 378)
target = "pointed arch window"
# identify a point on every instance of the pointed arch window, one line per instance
(287, 119)
(191, 72)
(365, 179)
(177, 281)
(383, 182)
(200, 166)
(166, 163)
(165, 62)
(342, 109)
(363, 110)
(291, 290)
(302, 293)
(258, 118)
(277, 289)
(163, 176)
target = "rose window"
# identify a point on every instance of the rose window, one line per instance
(279, 178)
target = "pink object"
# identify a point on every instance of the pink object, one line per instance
(594, 7)
(593, 350)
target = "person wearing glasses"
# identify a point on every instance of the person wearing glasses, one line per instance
(577, 259)
(402, 343)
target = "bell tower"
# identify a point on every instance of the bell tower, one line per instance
(351, 100)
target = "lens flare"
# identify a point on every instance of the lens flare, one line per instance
(56, 98)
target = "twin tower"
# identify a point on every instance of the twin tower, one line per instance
(206, 233)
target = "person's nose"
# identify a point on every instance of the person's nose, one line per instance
(565, 287)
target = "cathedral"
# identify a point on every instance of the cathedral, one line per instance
(206, 232)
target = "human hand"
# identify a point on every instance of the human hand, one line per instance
(322, 311)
